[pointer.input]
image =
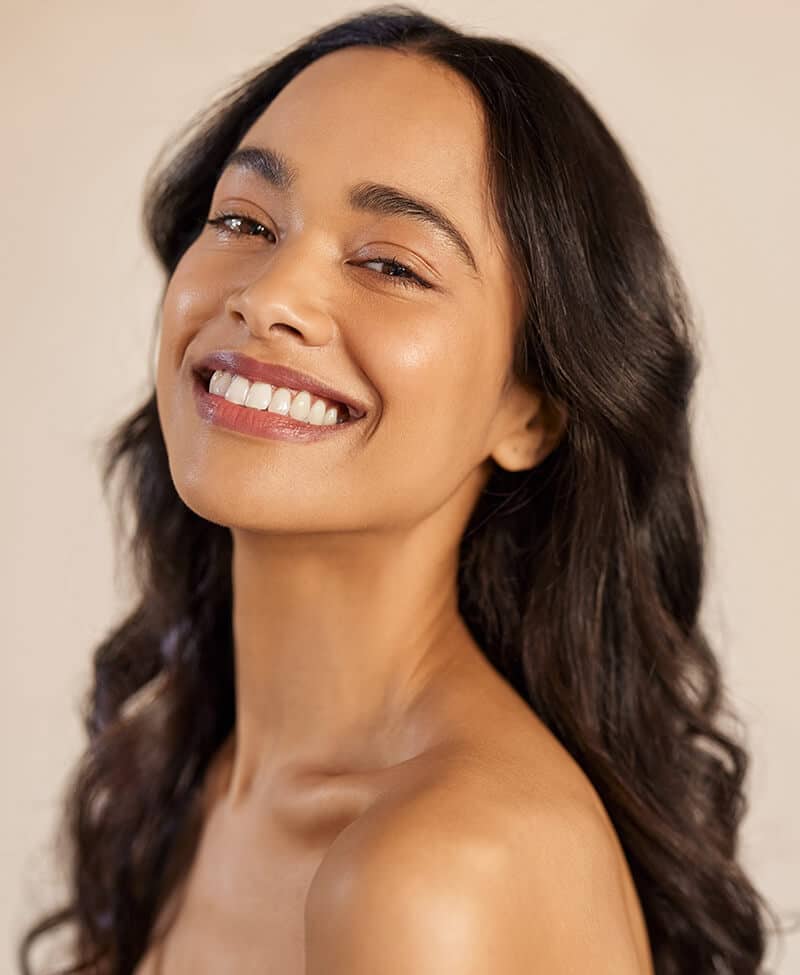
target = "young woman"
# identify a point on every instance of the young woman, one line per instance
(416, 682)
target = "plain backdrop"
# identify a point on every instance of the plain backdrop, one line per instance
(702, 95)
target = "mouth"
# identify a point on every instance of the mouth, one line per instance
(276, 389)
(294, 403)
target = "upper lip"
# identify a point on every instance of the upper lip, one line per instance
(275, 375)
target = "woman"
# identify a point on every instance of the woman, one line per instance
(416, 681)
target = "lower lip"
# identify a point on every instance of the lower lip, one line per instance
(258, 423)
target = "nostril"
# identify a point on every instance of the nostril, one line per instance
(281, 326)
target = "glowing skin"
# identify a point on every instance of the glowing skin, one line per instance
(344, 564)
(356, 679)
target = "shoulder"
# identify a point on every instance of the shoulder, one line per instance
(461, 882)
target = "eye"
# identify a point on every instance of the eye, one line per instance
(230, 224)
(412, 281)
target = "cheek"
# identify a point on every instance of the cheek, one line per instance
(191, 300)
(435, 398)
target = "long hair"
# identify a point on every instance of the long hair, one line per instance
(580, 579)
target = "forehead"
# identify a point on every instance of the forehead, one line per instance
(385, 116)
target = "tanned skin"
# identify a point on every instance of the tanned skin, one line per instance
(387, 802)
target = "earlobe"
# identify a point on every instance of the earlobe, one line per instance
(516, 454)
(535, 435)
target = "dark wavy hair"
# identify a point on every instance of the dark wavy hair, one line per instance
(581, 579)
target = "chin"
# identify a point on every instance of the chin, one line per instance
(250, 505)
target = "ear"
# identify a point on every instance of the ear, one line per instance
(532, 425)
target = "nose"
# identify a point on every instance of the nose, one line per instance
(282, 301)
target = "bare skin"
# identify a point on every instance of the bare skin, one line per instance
(362, 699)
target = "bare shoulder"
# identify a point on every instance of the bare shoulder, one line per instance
(478, 872)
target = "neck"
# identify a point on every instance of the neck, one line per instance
(337, 639)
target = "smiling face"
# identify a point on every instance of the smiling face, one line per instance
(307, 285)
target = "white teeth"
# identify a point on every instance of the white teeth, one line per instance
(301, 405)
(220, 382)
(317, 412)
(237, 391)
(282, 400)
(259, 396)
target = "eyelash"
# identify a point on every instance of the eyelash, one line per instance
(218, 222)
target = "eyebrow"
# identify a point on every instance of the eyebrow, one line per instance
(275, 169)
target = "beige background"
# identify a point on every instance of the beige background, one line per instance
(704, 97)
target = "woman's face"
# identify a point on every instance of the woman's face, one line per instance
(307, 286)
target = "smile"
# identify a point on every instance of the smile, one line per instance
(299, 404)
(228, 400)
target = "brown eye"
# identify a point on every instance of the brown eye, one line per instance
(230, 224)
(401, 275)
(237, 225)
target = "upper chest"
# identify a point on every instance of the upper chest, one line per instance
(239, 910)
(240, 907)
